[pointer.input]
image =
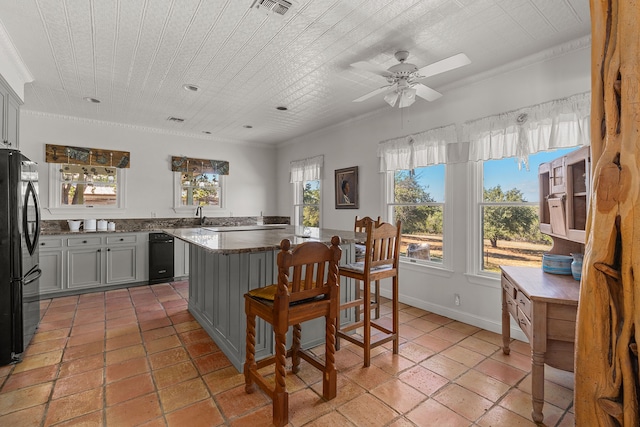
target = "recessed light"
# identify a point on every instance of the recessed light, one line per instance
(175, 119)
(247, 127)
(92, 100)
(190, 87)
(282, 108)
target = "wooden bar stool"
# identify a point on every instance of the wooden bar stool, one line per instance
(382, 254)
(360, 226)
(302, 293)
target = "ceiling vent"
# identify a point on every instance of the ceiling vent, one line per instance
(273, 7)
(175, 119)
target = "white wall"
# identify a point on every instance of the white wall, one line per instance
(354, 143)
(250, 185)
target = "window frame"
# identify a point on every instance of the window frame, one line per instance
(178, 207)
(447, 236)
(298, 201)
(55, 195)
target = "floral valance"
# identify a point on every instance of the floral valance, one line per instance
(199, 166)
(555, 124)
(309, 169)
(86, 156)
(417, 150)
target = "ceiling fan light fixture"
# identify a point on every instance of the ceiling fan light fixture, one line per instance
(392, 98)
(407, 97)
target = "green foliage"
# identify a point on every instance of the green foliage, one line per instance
(311, 211)
(415, 219)
(508, 222)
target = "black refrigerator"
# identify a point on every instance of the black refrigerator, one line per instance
(19, 263)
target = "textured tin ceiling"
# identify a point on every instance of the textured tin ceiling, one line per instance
(136, 55)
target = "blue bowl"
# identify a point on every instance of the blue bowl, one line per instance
(556, 264)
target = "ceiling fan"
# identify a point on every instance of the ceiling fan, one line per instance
(404, 79)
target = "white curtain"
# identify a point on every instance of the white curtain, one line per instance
(556, 124)
(309, 169)
(417, 150)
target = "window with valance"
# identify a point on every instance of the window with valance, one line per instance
(198, 182)
(306, 177)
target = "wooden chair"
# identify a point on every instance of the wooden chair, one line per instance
(360, 226)
(307, 288)
(382, 254)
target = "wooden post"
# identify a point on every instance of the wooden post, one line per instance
(606, 365)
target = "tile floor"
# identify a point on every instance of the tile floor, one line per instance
(137, 357)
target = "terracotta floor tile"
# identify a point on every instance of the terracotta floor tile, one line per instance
(122, 321)
(223, 379)
(30, 378)
(93, 419)
(162, 344)
(368, 378)
(236, 402)
(86, 338)
(498, 370)
(78, 383)
(448, 334)
(38, 361)
(201, 348)
(463, 402)
(553, 393)
(409, 332)
(88, 327)
(201, 414)
(134, 412)
(45, 346)
(158, 333)
(174, 374)
(499, 416)
(118, 331)
(331, 419)
(126, 369)
(463, 355)
(58, 324)
(463, 327)
(187, 326)
(212, 362)
(444, 366)
(128, 388)
(50, 335)
(183, 394)
(423, 380)
(391, 363)
(479, 346)
(122, 354)
(367, 410)
(24, 398)
(569, 420)
(155, 324)
(260, 417)
(84, 364)
(168, 357)
(515, 359)
(84, 350)
(521, 347)
(346, 358)
(192, 335)
(489, 336)
(415, 352)
(482, 384)
(115, 313)
(436, 318)
(398, 395)
(431, 413)
(181, 317)
(122, 341)
(74, 406)
(433, 343)
(417, 312)
(30, 417)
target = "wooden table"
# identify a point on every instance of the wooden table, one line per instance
(544, 306)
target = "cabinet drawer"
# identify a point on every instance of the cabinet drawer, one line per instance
(524, 304)
(525, 324)
(508, 287)
(131, 238)
(50, 243)
(84, 241)
(512, 306)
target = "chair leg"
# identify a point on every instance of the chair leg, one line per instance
(280, 395)
(366, 339)
(295, 347)
(250, 359)
(330, 377)
(396, 322)
(357, 296)
(377, 299)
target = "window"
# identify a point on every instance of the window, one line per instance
(417, 198)
(77, 187)
(307, 203)
(193, 190)
(507, 206)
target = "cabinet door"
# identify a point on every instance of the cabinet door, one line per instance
(51, 266)
(181, 258)
(121, 264)
(85, 267)
(13, 122)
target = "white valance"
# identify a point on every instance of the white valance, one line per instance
(309, 169)
(417, 150)
(556, 124)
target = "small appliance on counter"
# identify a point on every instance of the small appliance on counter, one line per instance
(89, 225)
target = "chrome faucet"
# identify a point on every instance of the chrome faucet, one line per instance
(199, 213)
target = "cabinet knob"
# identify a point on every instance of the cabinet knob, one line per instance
(108, 249)
(84, 241)
(98, 250)
(42, 243)
(122, 239)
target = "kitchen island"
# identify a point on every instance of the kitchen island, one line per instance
(226, 262)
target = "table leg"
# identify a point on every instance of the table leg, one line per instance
(537, 385)
(506, 325)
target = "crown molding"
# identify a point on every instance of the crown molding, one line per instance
(147, 129)
(8, 49)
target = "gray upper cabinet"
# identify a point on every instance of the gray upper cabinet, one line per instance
(9, 117)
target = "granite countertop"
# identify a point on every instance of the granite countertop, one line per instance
(231, 240)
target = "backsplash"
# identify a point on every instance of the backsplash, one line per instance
(49, 227)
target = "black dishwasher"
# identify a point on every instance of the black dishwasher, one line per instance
(160, 258)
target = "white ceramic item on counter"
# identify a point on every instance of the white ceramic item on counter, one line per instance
(74, 225)
(102, 225)
(89, 225)
(111, 226)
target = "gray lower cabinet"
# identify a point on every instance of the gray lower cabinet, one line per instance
(96, 260)
(217, 284)
(181, 257)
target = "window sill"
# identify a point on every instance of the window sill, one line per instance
(422, 267)
(489, 280)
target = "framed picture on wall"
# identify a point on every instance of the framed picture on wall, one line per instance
(347, 188)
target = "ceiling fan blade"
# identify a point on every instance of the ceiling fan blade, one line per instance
(447, 64)
(378, 91)
(366, 66)
(426, 92)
